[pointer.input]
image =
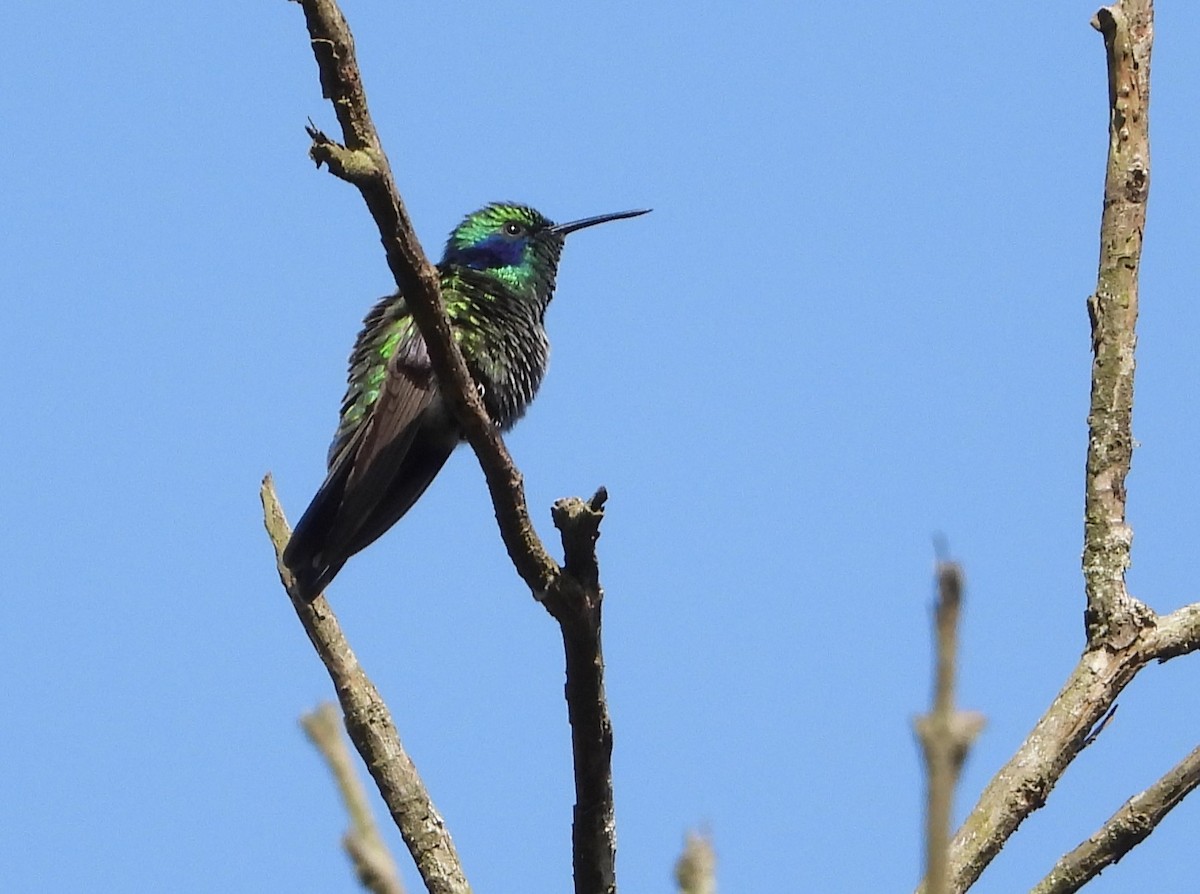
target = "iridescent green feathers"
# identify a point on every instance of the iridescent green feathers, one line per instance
(497, 277)
(395, 432)
(514, 246)
(385, 330)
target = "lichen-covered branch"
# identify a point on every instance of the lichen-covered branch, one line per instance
(1112, 616)
(945, 733)
(373, 863)
(1124, 830)
(1022, 785)
(1123, 635)
(1177, 633)
(571, 593)
(370, 726)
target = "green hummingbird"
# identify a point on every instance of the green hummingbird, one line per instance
(395, 430)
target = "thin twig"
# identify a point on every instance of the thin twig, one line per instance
(373, 862)
(696, 868)
(370, 726)
(945, 734)
(571, 593)
(1124, 830)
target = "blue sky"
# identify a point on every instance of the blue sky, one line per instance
(855, 319)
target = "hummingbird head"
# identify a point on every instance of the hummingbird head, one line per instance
(517, 246)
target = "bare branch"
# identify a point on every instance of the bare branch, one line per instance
(576, 604)
(370, 726)
(372, 860)
(571, 594)
(1021, 786)
(363, 163)
(1112, 616)
(1071, 723)
(1121, 631)
(1124, 830)
(945, 734)
(1178, 633)
(696, 869)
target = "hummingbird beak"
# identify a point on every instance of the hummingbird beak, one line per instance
(563, 228)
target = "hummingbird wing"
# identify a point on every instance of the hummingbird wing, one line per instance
(394, 437)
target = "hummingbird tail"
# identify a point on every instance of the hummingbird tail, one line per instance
(311, 571)
(347, 516)
(307, 554)
(313, 575)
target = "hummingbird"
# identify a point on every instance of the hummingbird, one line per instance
(395, 430)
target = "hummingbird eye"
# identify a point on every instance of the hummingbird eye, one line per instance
(512, 228)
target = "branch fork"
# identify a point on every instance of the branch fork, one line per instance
(571, 593)
(1123, 634)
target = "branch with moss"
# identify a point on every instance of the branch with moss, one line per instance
(1112, 617)
(570, 592)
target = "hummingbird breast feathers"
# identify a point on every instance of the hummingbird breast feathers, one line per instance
(504, 343)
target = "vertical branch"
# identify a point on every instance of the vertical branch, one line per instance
(593, 831)
(1121, 631)
(945, 733)
(1111, 617)
(576, 605)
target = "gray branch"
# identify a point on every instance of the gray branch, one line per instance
(373, 863)
(1125, 829)
(370, 726)
(1123, 634)
(945, 733)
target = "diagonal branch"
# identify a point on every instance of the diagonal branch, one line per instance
(372, 860)
(370, 726)
(363, 163)
(1022, 785)
(1069, 725)
(1125, 829)
(571, 593)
